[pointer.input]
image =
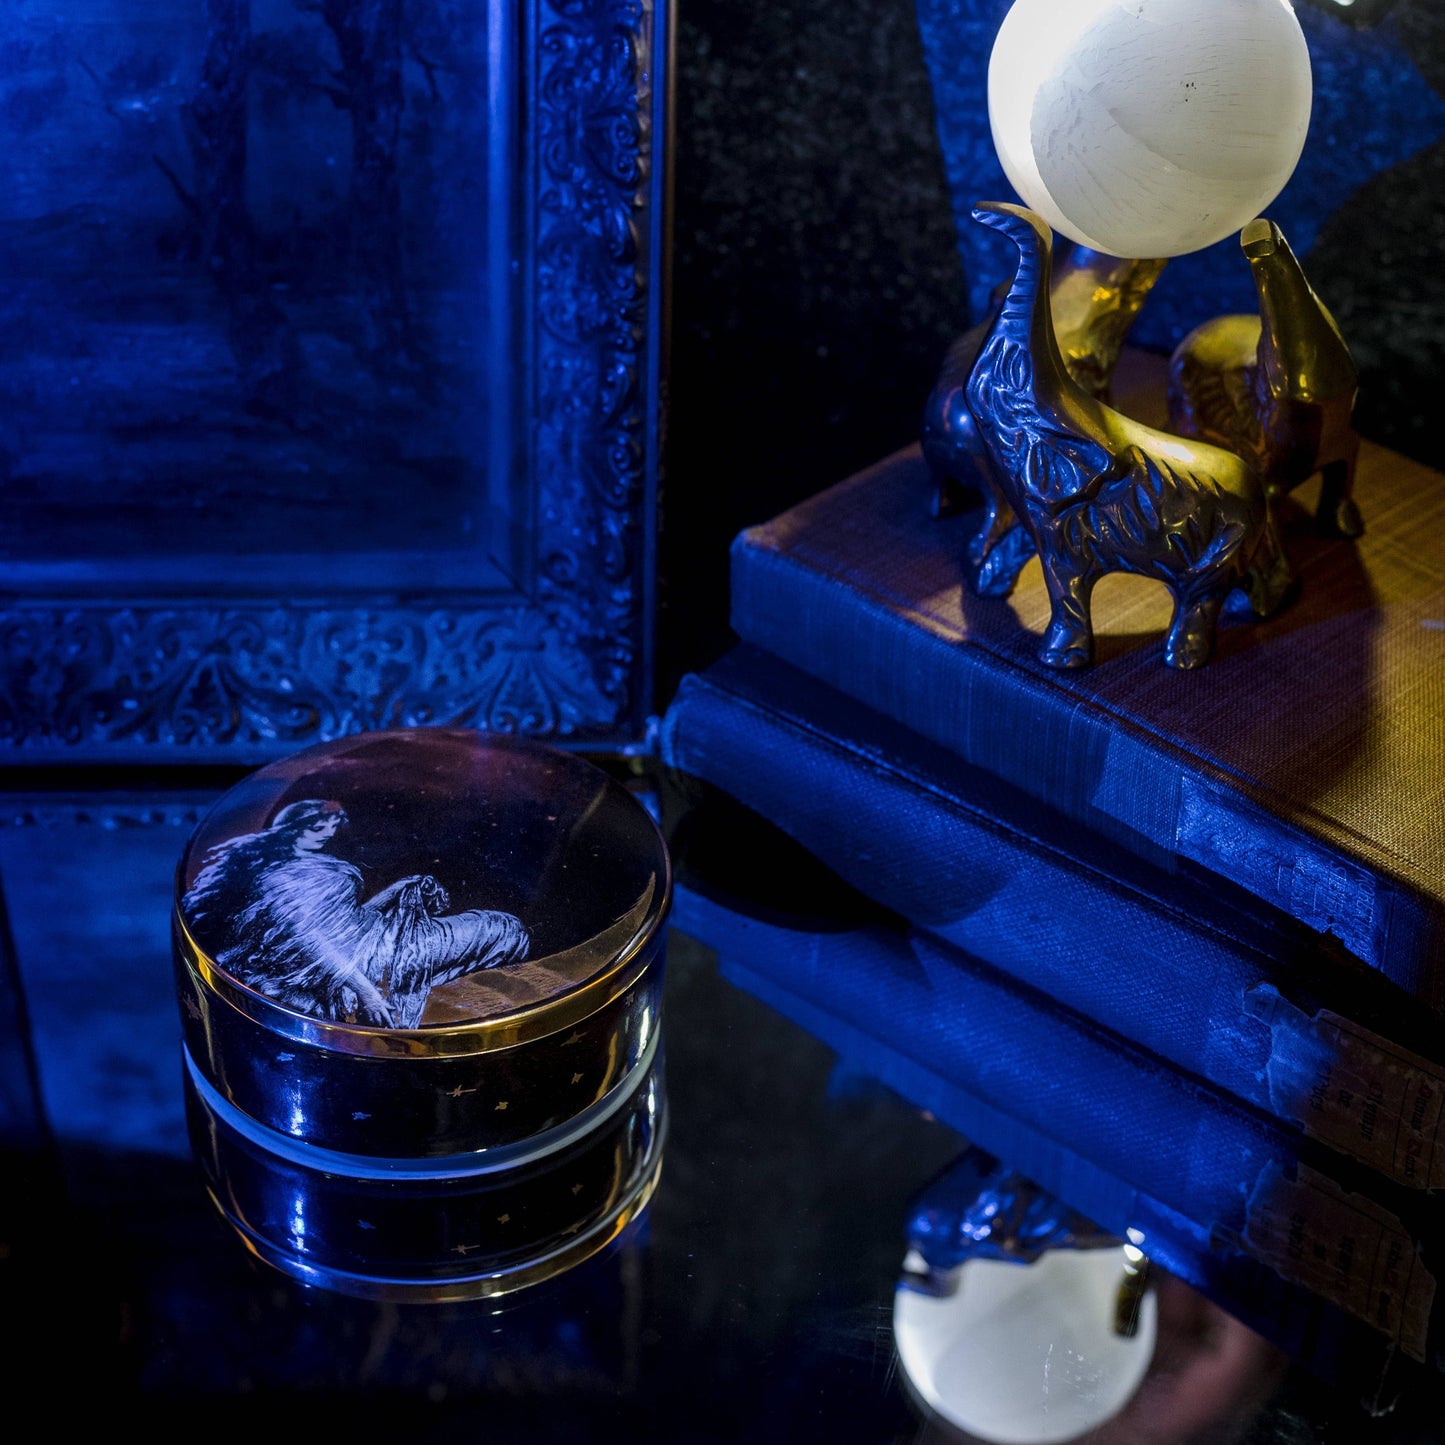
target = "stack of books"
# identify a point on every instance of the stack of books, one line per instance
(1186, 930)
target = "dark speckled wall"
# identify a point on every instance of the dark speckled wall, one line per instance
(817, 278)
(1380, 258)
(825, 159)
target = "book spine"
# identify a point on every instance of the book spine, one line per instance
(1192, 993)
(1115, 778)
(1221, 1198)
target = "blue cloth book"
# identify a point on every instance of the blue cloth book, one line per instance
(1304, 764)
(1218, 1196)
(1209, 981)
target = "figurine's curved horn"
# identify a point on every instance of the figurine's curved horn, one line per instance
(1020, 224)
(1260, 238)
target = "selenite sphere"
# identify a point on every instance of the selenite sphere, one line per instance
(1149, 128)
(1026, 1354)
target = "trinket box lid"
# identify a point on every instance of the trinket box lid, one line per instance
(422, 890)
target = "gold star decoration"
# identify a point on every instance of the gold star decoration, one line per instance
(500, 1107)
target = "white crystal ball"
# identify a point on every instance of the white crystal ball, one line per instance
(1149, 128)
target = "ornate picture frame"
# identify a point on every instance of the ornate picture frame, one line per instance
(119, 644)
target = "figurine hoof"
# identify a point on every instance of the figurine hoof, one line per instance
(1072, 657)
(992, 581)
(1346, 521)
(1189, 653)
(997, 563)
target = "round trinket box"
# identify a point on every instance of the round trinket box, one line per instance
(419, 975)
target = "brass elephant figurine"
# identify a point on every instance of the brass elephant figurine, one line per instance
(1097, 492)
(1279, 388)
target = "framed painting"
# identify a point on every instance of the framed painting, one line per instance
(330, 381)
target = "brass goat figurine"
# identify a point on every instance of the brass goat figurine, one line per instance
(1094, 298)
(1278, 388)
(1097, 492)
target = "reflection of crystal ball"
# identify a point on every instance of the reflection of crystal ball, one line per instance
(1026, 1354)
(1149, 127)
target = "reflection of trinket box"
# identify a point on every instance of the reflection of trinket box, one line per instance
(420, 986)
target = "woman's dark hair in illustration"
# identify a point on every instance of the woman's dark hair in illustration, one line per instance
(308, 810)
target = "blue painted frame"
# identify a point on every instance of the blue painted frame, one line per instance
(554, 640)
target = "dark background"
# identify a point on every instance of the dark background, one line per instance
(817, 271)
(816, 276)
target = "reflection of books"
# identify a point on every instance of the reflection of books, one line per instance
(1211, 982)
(1274, 1233)
(1305, 764)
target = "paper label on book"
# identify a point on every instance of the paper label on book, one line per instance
(1277, 863)
(1354, 1090)
(1344, 1249)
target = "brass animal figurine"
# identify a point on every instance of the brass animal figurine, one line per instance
(1098, 492)
(1278, 388)
(1095, 298)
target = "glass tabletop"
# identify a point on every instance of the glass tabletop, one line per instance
(766, 1292)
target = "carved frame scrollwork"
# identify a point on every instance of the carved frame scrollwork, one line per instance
(568, 655)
